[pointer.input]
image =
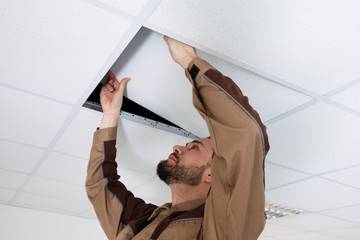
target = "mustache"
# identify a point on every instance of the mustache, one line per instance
(175, 156)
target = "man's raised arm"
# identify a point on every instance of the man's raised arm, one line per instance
(234, 208)
(115, 206)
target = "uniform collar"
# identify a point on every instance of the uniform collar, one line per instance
(180, 207)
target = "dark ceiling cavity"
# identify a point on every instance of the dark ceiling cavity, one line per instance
(128, 106)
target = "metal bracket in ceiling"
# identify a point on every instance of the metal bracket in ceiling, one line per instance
(145, 121)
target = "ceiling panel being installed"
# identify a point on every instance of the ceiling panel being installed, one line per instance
(296, 61)
(157, 79)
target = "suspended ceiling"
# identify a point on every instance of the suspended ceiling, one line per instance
(297, 61)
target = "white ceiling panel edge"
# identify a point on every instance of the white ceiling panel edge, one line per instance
(125, 40)
(323, 98)
(112, 9)
(229, 59)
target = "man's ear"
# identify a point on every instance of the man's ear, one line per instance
(207, 174)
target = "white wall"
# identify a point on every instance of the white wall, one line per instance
(21, 223)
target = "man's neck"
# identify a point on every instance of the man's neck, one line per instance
(182, 193)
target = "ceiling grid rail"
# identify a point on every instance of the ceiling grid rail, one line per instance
(317, 97)
(130, 33)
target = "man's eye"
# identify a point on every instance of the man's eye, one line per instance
(194, 147)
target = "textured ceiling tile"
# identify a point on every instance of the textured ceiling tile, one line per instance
(318, 139)
(64, 168)
(19, 157)
(12, 180)
(347, 213)
(261, 237)
(154, 190)
(268, 98)
(57, 189)
(30, 119)
(134, 179)
(276, 176)
(141, 147)
(88, 214)
(305, 43)
(348, 233)
(312, 222)
(148, 52)
(156, 80)
(349, 176)
(310, 235)
(56, 47)
(349, 97)
(6, 194)
(314, 194)
(49, 203)
(275, 230)
(77, 138)
(129, 6)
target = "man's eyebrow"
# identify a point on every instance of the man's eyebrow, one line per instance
(196, 141)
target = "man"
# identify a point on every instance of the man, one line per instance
(217, 183)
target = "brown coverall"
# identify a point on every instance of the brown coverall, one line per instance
(234, 207)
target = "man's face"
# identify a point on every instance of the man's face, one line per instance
(186, 164)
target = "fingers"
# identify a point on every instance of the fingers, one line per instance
(114, 85)
(123, 84)
(112, 75)
(166, 39)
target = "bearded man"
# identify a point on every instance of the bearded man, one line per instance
(217, 183)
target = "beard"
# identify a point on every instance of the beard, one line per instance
(189, 175)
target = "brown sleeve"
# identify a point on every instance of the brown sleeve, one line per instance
(235, 206)
(114, 205)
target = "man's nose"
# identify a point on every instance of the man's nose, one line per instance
(178, 149)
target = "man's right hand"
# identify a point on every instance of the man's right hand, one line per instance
(111, 98)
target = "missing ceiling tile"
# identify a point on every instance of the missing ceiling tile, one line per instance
(132, 111)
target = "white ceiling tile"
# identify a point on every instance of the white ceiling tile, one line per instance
(314, 194)
(348, 233)
(6, 194)
(133, 179)
(312, 222)
(49, 203)
(63, 167)
(318, 139)
(261, 237)
(19, 157)
(310, 236)
(141, 147)
(30, 119)
(349, 97)
(77, 138)
(129, 6)
(174, 89)
(57, 189)
(148, 46)
(305, 43)
(56, 47)
(154, 190)
(266, 97)
(88, 214)
(275, 230)
(348, 176)
(12, 180)
(276, 176)
(347, 213)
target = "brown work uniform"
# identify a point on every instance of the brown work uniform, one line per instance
(234, 207)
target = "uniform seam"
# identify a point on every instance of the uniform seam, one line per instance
(187, 219)
(132, 232)
(106, 179)
(243, 108)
